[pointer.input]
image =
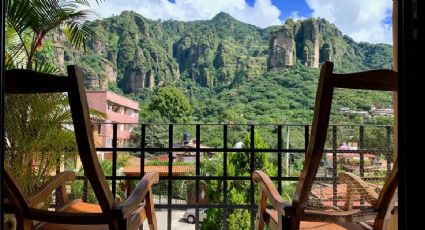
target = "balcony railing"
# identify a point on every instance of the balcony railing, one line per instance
(285, 142)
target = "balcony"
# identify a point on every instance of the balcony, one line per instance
(204, 174)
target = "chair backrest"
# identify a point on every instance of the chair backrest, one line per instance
(26, 82)
(381, 80)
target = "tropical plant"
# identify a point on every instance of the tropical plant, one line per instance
(28, 22)
(36, 135)
(238, 165)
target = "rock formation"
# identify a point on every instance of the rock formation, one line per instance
(282, 48)
(294, 41)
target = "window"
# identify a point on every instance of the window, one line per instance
(108, 142)
(113, 107)
(130, 112)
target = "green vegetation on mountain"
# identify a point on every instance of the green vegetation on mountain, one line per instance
(172, 104)
(229, 71)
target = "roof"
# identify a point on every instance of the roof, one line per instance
(114, 98)
(190, 145)
(350, 155)
(177, 170)
(326, 195)
(133, 168)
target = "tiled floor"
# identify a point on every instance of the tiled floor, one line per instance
(177, 221)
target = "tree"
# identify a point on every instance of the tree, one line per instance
(37, 141)
(238, 166)
(172, 104)
(29, 21)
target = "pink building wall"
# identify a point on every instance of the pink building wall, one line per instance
(126, 115)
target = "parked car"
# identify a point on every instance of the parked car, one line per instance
(189, 215)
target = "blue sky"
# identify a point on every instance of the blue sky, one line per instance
(363, 20)
(288, 6)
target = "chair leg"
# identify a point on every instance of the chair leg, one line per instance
(294, 223)
(150, 211)
(259, 225)
(24, 224)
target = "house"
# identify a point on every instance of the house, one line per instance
(382, 112)
(351, 160)
(190, 154)
(116, 109)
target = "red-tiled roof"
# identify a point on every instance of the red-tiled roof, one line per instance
(350, 155)
(133, 168)
(325, 194)
(178, 170)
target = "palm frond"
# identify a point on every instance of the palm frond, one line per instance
(18, 14)
(97, 113)
(77, 34)
(45, 67)
(87, 3)
(8, 63)
(42, 16)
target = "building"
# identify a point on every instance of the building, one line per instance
(383, 112)
(116, 109)
(190, 154)
(351, 160)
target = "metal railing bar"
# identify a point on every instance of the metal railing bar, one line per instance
(240, 124)
(361, 146)
(251, 171)
(221, 206)
(114, 157)
(279, 158)
(225, 211)
(198, 172)
(137, 149)
(274, 150)
(389, 150)
(334, 165)
(232, 178)
(142, 153)
(170, 173)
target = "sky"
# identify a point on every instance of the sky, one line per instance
(362, 20)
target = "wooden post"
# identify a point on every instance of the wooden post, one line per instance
(392, 214)
(395, 68)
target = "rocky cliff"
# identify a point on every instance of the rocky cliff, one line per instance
(137, 54)
(301, 41)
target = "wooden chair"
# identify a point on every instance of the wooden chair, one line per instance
(32, 211)
(299, 214)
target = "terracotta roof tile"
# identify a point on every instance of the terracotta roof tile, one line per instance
(178, 170)
(326, 195)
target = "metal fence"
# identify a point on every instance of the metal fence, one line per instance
(375, 140)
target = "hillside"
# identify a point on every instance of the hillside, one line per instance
(230, 70)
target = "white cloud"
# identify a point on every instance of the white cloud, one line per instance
(295, 16)
(363, 20)
(262, 13)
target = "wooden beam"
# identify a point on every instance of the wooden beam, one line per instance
(392, 213)
(395, 68)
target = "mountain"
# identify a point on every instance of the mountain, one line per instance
(231, 71)
(313, 41)
(140, 54)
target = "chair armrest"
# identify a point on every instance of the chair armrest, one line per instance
(138, 195)
(51, 185)
(267, 186)
(353, 180)
(356, 215)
